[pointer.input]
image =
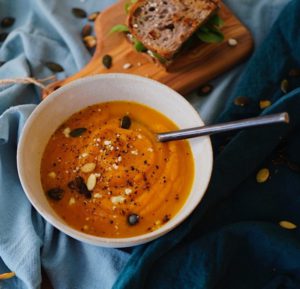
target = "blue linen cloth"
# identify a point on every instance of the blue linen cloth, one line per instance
(46, 30)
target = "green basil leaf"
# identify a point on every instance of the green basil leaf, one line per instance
(216, 20)
(212, 36)
(159, 57)
(128, 5)
(138, 45)
(119, 28)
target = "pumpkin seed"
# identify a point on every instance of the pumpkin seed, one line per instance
(72, 201)
(133, 219)
(7, 275)
(294, 72)
(79, 13)
(86, 30)
(232, 42)
(117, 199)
(7, 22)
(262, 175)
(79, 186)
(284, 86)
(88, 167)
(264, 103)
(242, 101)
(90, 41)
(107, 61)
(91, 182)
(77, 132)
(3, 36)
(287, 225)
(52, 175)
(205, 89)
(93, 16)
(125, 122)
(54, 66)
(55, 194)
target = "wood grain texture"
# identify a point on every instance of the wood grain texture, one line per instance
(189, 71)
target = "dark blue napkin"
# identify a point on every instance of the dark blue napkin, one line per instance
(236, 239)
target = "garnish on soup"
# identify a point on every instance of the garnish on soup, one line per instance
(105, 174)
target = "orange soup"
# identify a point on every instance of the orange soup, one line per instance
(105, 174)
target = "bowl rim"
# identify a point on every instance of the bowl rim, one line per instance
(64, 227)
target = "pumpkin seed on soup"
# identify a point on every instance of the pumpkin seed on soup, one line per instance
(79, 13)
(262, 175)
(54, 66)
(7, 22)
(133, 219)
(107, 61)
(284, 86)
(242, 101)
(55, 194)
(77, 132)
(79, 185)
(125, 122)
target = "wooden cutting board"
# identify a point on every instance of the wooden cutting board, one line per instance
(188, 72)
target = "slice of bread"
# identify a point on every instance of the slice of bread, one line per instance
(164, 25)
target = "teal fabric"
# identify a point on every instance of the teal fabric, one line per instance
(234, 240)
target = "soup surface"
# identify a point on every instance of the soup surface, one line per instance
(105, 174)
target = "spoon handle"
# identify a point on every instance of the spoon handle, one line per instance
(223, 127)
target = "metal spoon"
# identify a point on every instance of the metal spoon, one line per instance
(223, 127)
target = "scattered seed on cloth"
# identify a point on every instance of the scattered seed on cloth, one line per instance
(287, 225)
(55, 67)
(79, 13)
(262, 175)
(242, 101)
(7, 22)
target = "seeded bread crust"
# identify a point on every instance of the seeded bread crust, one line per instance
(164, 25)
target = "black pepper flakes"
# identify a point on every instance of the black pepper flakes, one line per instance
(166, 218)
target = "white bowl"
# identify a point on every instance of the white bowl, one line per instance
(64, 102)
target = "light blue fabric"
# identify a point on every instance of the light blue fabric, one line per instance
(46, 30)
